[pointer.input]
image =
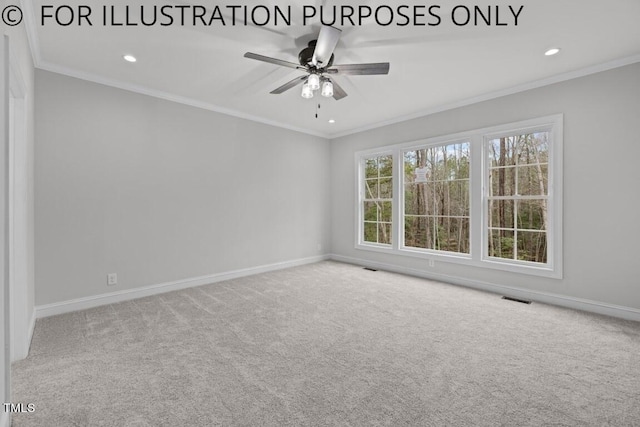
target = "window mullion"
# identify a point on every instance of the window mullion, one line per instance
(515, 223)
(478, 181)
(397, 205)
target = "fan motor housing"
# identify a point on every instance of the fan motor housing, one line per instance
(306, 55)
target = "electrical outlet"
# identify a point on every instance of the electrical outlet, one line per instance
(112, 279)
(431, 263)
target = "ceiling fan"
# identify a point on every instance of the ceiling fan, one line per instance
(317, 61)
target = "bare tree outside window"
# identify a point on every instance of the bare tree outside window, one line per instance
(378, 198)
(486, 198)
(436, 198)
(517, 197)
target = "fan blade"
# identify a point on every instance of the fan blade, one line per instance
(327, 41)
(289, 85)
(360, 69)
(338, 92)
(273, 61)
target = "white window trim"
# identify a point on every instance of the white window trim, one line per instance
(420, 252)
(361, 156)
(477, 203)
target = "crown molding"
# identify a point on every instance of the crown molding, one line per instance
(621, 62)
(40, 63)
(34, 44)
(47, 66)
(44, 65)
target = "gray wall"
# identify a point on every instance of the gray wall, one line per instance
(157, 191)
(601, 183)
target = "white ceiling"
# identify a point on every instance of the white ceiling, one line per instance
(432, 67)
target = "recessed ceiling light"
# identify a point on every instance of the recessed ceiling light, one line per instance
(331, 121)
(552, 51)
(129, 58)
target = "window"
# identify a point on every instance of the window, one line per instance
(517, 195)
(487, 198)
(436, 197)
(377, 199)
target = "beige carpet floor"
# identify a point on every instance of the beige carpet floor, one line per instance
(330, 344)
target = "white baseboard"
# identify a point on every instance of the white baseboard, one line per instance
(606, 309)
(47, 310)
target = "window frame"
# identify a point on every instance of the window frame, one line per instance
(478, 200)
(433, 142)
(553, 125)
(361, 160)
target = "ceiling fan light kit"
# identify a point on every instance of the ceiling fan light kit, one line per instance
(308, 87)
(307, 92)
(317, 60)
(327, 89)
(314, 81)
